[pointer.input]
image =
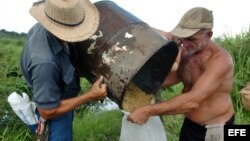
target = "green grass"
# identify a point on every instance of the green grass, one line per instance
(100, 126)
(11, 80)
(15, 133)
(96, 125)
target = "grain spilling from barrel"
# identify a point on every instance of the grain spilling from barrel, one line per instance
(134, 98)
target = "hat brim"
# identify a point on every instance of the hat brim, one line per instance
(181, 32)
(69, 33)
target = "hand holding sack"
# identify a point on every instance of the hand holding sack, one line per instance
(152, 130)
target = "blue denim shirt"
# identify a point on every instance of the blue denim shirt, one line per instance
(48, 71)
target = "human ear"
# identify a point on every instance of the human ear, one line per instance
(210, 33)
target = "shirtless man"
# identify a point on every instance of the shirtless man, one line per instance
(206, 70)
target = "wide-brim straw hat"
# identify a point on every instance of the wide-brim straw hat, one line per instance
(69, 20)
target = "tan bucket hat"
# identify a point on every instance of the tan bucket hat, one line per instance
(192, 21)
(69, 20)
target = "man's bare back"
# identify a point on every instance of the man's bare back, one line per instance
(218, 106)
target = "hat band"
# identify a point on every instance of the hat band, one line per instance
(67, 24)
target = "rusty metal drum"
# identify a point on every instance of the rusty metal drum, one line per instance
(125, 49)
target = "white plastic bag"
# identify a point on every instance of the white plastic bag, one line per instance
(152, 130)
(23, 108)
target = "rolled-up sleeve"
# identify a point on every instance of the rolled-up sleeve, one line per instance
(46, 85)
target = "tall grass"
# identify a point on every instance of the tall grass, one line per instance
(12, 128)
(91, 125)
(16, 133)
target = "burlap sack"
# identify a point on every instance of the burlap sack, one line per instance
(245, 96)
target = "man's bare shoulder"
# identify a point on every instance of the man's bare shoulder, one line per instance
(221, 60)
(222, 55)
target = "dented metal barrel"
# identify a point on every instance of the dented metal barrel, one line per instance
(125, 49)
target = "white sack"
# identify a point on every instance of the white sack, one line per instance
(152, 130)
(23, 108)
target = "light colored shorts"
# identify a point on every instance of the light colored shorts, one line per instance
(215, 132)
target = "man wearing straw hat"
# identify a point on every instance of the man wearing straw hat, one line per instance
(206, 71)
(47, 62)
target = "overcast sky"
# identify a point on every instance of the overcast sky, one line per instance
(230, 16)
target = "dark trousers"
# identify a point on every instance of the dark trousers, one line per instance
(192, 131)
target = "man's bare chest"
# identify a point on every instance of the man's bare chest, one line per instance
(190, 69)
